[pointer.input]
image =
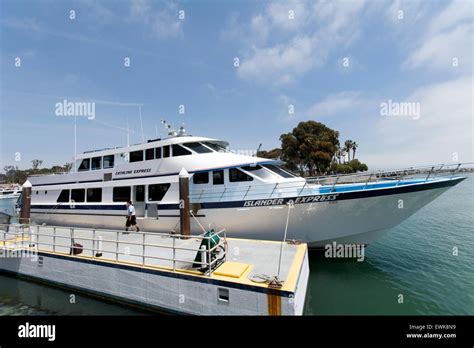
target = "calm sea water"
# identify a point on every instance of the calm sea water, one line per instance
(414, 260)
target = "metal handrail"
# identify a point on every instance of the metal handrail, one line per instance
(414, 170)
(298, 188)
(34, 238)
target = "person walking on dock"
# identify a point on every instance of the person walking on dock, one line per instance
(131, 217)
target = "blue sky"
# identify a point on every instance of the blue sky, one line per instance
(333, 61)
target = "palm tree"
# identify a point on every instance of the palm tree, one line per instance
(347, 148)
(36, 163)
(354, 147)
(342, 154)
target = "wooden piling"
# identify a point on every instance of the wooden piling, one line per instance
(25, 203)
(184, 218)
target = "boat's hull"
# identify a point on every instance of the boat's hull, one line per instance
(353, 218)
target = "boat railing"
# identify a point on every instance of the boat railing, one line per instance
(56, 172)
(431, 171)
(63, 240)
(321, 184)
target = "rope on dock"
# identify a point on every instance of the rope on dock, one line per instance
(272, 281)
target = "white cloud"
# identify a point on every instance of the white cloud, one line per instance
(334, 104)
(406, 12)
(160, 21)
(281, 63)
(444, 128)
(455, 13)
(439, 50)
(302, 43)
(449, 36)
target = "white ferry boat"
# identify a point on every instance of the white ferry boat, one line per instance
(248, 196)
(8, 200)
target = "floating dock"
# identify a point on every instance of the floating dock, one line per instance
(198, 275)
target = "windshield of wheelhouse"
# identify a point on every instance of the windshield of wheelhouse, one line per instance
(197, 147)
(215, 146)
(278, 170)
(261, 172)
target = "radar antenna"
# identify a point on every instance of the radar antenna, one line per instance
(173, 133)
(169, 129)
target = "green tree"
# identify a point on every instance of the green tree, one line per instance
(357, 166)
(273, 154)
(354, 148)
(309, 147)
(348, 147)
(36, 163)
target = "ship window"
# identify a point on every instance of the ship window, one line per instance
(78, 195)
(149, 154)
(278, 170)
(215, 147)
(63, 196)
(260, 172)
(84, 164)
(197, 147)
(157, 192)
(140, 193)
(121, 194)
(136, 156)
(166, 151)
(236, 175)
(108, 161)
(218, 177)
(251, 168)
(180, 151)
(158, 152)
(201, 178)
(94, 194)
(96, 163)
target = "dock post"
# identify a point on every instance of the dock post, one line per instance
(184, 219)
(25, 203)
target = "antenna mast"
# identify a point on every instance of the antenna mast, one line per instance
(141, 121)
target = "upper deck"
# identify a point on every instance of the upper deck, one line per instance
(156, 158)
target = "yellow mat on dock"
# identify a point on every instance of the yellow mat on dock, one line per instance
(231, 269)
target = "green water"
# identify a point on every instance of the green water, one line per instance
(414, 260)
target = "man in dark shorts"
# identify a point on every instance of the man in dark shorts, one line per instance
(131, 217)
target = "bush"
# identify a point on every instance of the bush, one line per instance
(341, 168)
(357, 166)
(350, 167)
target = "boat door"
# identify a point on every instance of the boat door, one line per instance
(139, 200)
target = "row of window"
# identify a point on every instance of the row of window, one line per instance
(235, 175)
(265, 171)
(96, 163)
(156, 193)
(175, 150)
(159, 152)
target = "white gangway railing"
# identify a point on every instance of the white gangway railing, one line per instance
(59, 239)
